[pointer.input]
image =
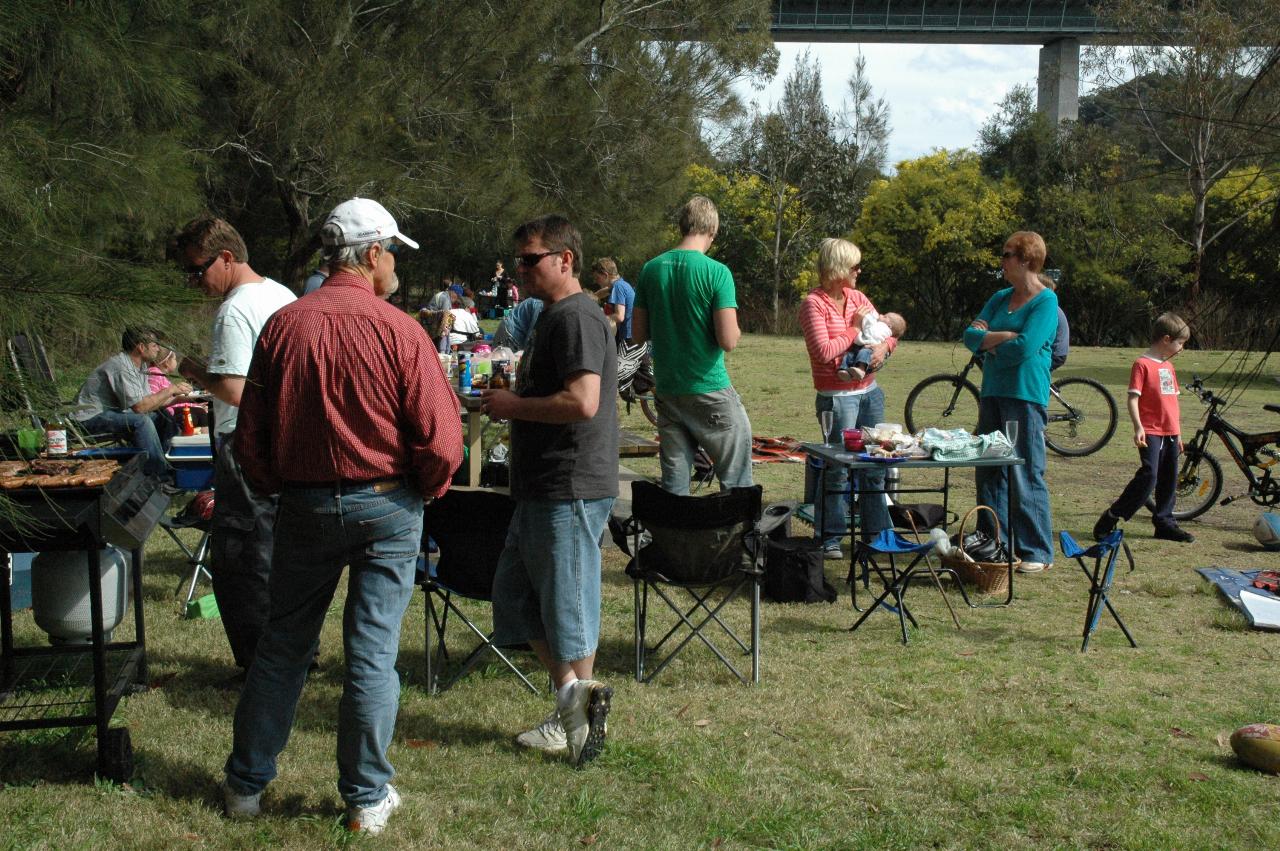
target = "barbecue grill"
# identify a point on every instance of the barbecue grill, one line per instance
(79, 686)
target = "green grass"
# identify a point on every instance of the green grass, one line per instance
(1000, 735)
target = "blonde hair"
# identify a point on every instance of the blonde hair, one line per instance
(836, 259)
(699, 215)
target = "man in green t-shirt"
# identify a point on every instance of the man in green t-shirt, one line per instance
(687, 308)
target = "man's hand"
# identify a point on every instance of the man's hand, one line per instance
(180, 388)
(499, 404)
(1139, 437)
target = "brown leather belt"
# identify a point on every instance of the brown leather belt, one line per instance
(342, 485)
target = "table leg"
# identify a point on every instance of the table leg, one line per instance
(1011, 487)
(475, 428)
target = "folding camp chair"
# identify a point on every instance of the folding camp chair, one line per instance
(1104, 555)
(39, 389)
(470, 530)
(703, 545)
(892, 544)
(198, 557)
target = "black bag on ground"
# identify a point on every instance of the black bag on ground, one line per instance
(793, 571)
(980, 546)
(917, 515)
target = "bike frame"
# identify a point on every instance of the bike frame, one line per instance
(1243, 449)
(976, 361)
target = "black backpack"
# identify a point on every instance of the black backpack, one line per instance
(793, 571)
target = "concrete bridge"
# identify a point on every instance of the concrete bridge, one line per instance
(1059, 26)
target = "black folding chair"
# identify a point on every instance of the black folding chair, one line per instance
(470, 530)
(35, 383)
(1105, 553)
(703, 545)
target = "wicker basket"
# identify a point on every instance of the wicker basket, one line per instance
(991, 577)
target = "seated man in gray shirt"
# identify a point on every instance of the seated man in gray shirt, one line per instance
(115, 399)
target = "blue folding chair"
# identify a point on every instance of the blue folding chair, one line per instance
(890, 543)
(1104, 554)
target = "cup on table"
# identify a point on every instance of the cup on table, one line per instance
(29, 441)
(826, 419)
(1011, 432)
(853, 440)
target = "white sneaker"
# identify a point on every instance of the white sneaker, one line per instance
(585, 720)
(547, 737)
(373, 818)
(1033, 567)
(235, 805)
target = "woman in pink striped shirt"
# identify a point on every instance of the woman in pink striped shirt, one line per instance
(831, 317)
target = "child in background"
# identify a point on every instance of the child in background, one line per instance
(876, 328)
(158, 378)
(1153, 407)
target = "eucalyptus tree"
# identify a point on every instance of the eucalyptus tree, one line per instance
(813, 166)
(467, 117)
(1201, 88)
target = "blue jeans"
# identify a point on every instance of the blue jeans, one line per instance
(1032, 526)
(150, 432)
(547, 585)
(318, 532)
(240, 544)
(718, 423)
(1159, 472)
(863, 409)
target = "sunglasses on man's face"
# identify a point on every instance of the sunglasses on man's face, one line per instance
(197, 270)
(530, 260)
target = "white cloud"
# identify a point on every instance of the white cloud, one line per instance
(939, 95)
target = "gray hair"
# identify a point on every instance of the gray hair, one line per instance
(346, 255)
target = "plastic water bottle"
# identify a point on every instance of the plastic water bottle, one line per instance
(464, 374)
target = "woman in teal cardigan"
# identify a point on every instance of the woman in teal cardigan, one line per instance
(1015, 331)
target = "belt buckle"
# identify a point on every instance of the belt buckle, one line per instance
(386, 486)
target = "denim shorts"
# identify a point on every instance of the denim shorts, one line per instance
(547, 585)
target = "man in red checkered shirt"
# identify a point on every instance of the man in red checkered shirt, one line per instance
(347, 414)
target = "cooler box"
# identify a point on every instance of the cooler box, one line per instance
(192, 460)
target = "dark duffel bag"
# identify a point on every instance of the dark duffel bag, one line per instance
(793, 572)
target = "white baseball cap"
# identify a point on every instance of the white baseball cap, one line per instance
(361, 220)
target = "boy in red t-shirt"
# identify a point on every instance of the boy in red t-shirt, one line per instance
(1153, 407)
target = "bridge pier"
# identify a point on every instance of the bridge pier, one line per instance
(1058, 85)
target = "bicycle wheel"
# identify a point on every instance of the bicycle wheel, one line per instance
(1199, 485)
(942, 401)
(1082, 417)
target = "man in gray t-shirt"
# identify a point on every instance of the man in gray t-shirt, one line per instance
(564, 478)
(115, 399)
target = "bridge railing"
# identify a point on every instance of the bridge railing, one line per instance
(923, 20)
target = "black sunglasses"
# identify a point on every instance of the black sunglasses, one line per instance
(530, 260)
(198, 270)
(1008, 254)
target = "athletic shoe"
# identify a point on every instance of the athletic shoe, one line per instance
(832, 551)
(585, 720)
(236, 805)
(1033, 567)
(1105, 525)
(547, 737)
(1175, 533)
(372, 819)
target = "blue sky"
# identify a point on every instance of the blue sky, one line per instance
(939, 95)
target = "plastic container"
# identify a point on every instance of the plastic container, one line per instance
(853, 440)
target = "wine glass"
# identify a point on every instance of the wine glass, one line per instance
(827, 420)
(1011, 432)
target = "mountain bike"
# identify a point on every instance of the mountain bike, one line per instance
(1082, 414)
(1200, 474)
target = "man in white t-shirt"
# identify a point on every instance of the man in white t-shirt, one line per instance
(465, 326)
(215, 259)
